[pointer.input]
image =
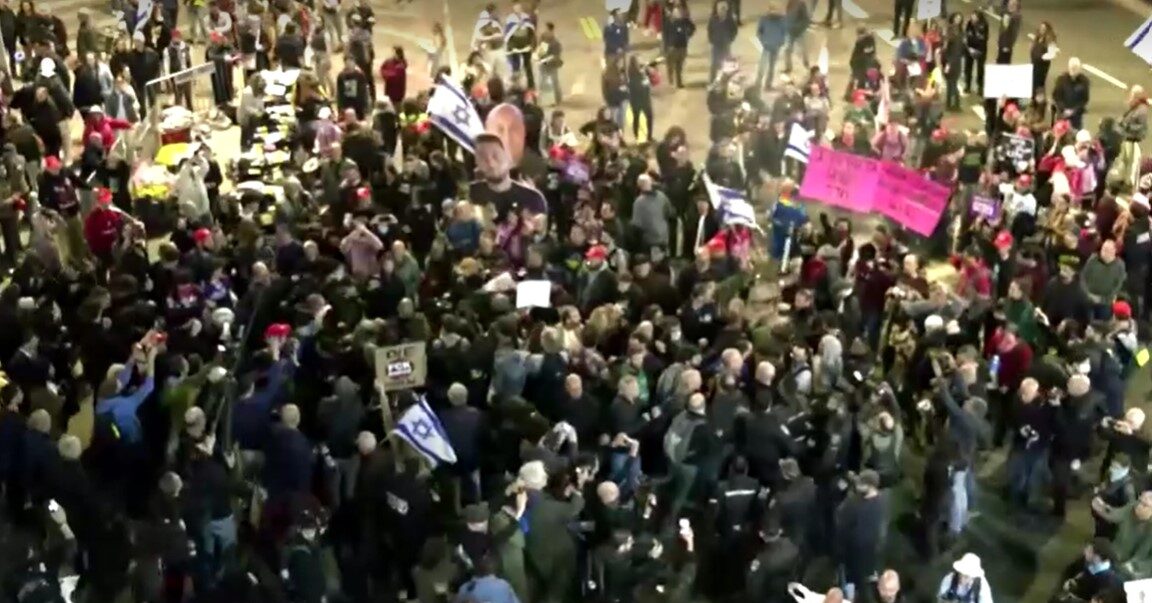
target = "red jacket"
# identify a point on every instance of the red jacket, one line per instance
(101, 228)
(106, 127)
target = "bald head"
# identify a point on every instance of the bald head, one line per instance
(290, 415)
(1028, 389)
(1078, 385)
(888, 586)
(69, 447)
(457, 394)
(366, 442)
(765, 372)
(40, 421)
(608, 492)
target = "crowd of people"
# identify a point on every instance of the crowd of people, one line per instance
(700, 410)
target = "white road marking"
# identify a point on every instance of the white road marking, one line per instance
(403, 35)
(854, 9)
(1104, 76)
(979, 111)
(450, 37)
(888, 37)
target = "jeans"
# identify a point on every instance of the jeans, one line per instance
(958, 509)
(719, 55)
(625, 473)
(619, 115)
(550, 79)
(767, 68)
(1025, 470)
(675, 62)
(334, 28)
(518, 62)
(217, 539)
(973, 66)
(197, 28)
(798, 41)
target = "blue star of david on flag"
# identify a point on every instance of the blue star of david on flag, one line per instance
(421, 428)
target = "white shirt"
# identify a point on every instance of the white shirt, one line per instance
(961, 590)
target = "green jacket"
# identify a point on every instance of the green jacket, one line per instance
(509, 541)
(1022, 314)
(1133, 542)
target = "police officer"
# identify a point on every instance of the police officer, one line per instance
(774, 566)
(738, 502)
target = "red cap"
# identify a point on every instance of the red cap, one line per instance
(596, 252)
(1003, 240)
(1061, 127)
(363, 193)
(103, 196)
(858, 96)
(1122, 310)
(176, 35)
(716, 245)
(1024, 180)
(216, 36)
(201, 235)
(52, 162)
(277, 329)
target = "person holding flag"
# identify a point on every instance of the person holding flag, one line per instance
(520, 42)
(787, 216)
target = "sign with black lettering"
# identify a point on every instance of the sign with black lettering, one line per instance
(400, 367)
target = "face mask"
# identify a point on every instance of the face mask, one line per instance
(1098, 566)
(309, 534)
(1117, 473)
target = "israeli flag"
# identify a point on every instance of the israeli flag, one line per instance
(485, 19)
(799, 143)
(453, 113)
(1140, 42)
(731, 205)
(421, 428)
(514, 23)
(143, 14)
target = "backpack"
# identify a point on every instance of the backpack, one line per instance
(678, 439)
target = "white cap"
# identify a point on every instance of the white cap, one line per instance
(325, 113)
(47, 67)
(1083, 136)
(933, 323)
(969, 565)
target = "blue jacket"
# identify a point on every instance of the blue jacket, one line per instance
(772, 31)
(488, 589)
(252, 416)
(615, 38)
(786, 215)
(288, 462)
(123, 406)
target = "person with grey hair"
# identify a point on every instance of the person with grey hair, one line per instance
(651, 214)
(467, 430)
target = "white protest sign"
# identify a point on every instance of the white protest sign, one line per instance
(1008, 81)
(533, 294)
(620, 5)
(1138, 591)
(929, 9)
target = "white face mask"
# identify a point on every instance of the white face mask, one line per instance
(309, 534)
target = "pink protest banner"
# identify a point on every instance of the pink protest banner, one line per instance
(840, 179)
(909, 198)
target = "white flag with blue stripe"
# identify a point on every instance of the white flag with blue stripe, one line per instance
(1140, 42)
(486, 25)
(731, 205)
(514, 23)
(799, 143)
(421, 428)
(453, 113)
